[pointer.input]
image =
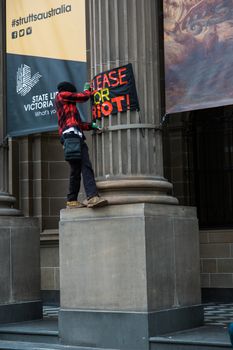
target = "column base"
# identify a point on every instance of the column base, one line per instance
(107, 330)
(138, 190)
(6, 205)
(124, 330)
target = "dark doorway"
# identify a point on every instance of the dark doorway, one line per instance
(212, 139)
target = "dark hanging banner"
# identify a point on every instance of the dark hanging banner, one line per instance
(30, 94)
(41, 53)
(114, 91)
(198, 42)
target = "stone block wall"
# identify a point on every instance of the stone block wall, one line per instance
(49, 268)
(39, 181)
(178, 163)
(216, 252)
(50, 272)
(40, 177)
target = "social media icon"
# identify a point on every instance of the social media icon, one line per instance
(29, 30)
(21, 32)
(14, 35)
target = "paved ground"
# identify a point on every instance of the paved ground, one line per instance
(46, 326)
(218, 314)
(206, 335)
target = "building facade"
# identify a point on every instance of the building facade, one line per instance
(197, 153)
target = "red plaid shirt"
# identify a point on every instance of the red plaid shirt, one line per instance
(67, 112)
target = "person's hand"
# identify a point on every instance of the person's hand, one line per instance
(96, 127)
(87, 86)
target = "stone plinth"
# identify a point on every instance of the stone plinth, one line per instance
(128, 272)
(20, 269)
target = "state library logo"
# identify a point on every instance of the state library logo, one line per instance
(25, 81)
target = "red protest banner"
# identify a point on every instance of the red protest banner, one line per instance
(114, 91)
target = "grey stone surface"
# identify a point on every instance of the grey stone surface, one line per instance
(23, 345)
(160, 262)
(95, 329)
(129, 259)
(172, 260)
(175, 319)
(206, 337)
(107, 258)
(50, 273)
(49, 256)
(20, 268)
(5, 276)
(187, 261)
(21, 311)
(25, 259)
(42, 327)
(123, 330)
(47, 278)
(6, 200)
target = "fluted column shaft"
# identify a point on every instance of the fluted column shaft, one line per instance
(6, 200)
(128, 157)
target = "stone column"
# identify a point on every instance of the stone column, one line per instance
(19, 236)
(128, 271)
(6, 200)
(128, 158)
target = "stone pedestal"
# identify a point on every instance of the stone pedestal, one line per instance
(20, 269)
(19, 257)
(19, 236)
(128, 272)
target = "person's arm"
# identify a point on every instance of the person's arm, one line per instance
(67, 96)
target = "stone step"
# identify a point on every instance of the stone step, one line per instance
(201, 338)
(43, 331)
(19, 345)
(43, 334)
(34, 335)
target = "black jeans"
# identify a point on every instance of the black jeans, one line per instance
(84, 167)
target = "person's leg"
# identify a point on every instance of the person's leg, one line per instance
(74, 182)
(88, 174)
(93, 198)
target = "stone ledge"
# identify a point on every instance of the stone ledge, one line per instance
(128, 210)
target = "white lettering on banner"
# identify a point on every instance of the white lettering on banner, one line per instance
(41, 114)
(33, 17)
(25, 81)
(38, 105)
(39, 98)
(41, 104)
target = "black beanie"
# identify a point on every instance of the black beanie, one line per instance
(66, 86)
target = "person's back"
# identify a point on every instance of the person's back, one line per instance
(67, 112)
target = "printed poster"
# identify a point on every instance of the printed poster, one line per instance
(45, 44)
(198, 40)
